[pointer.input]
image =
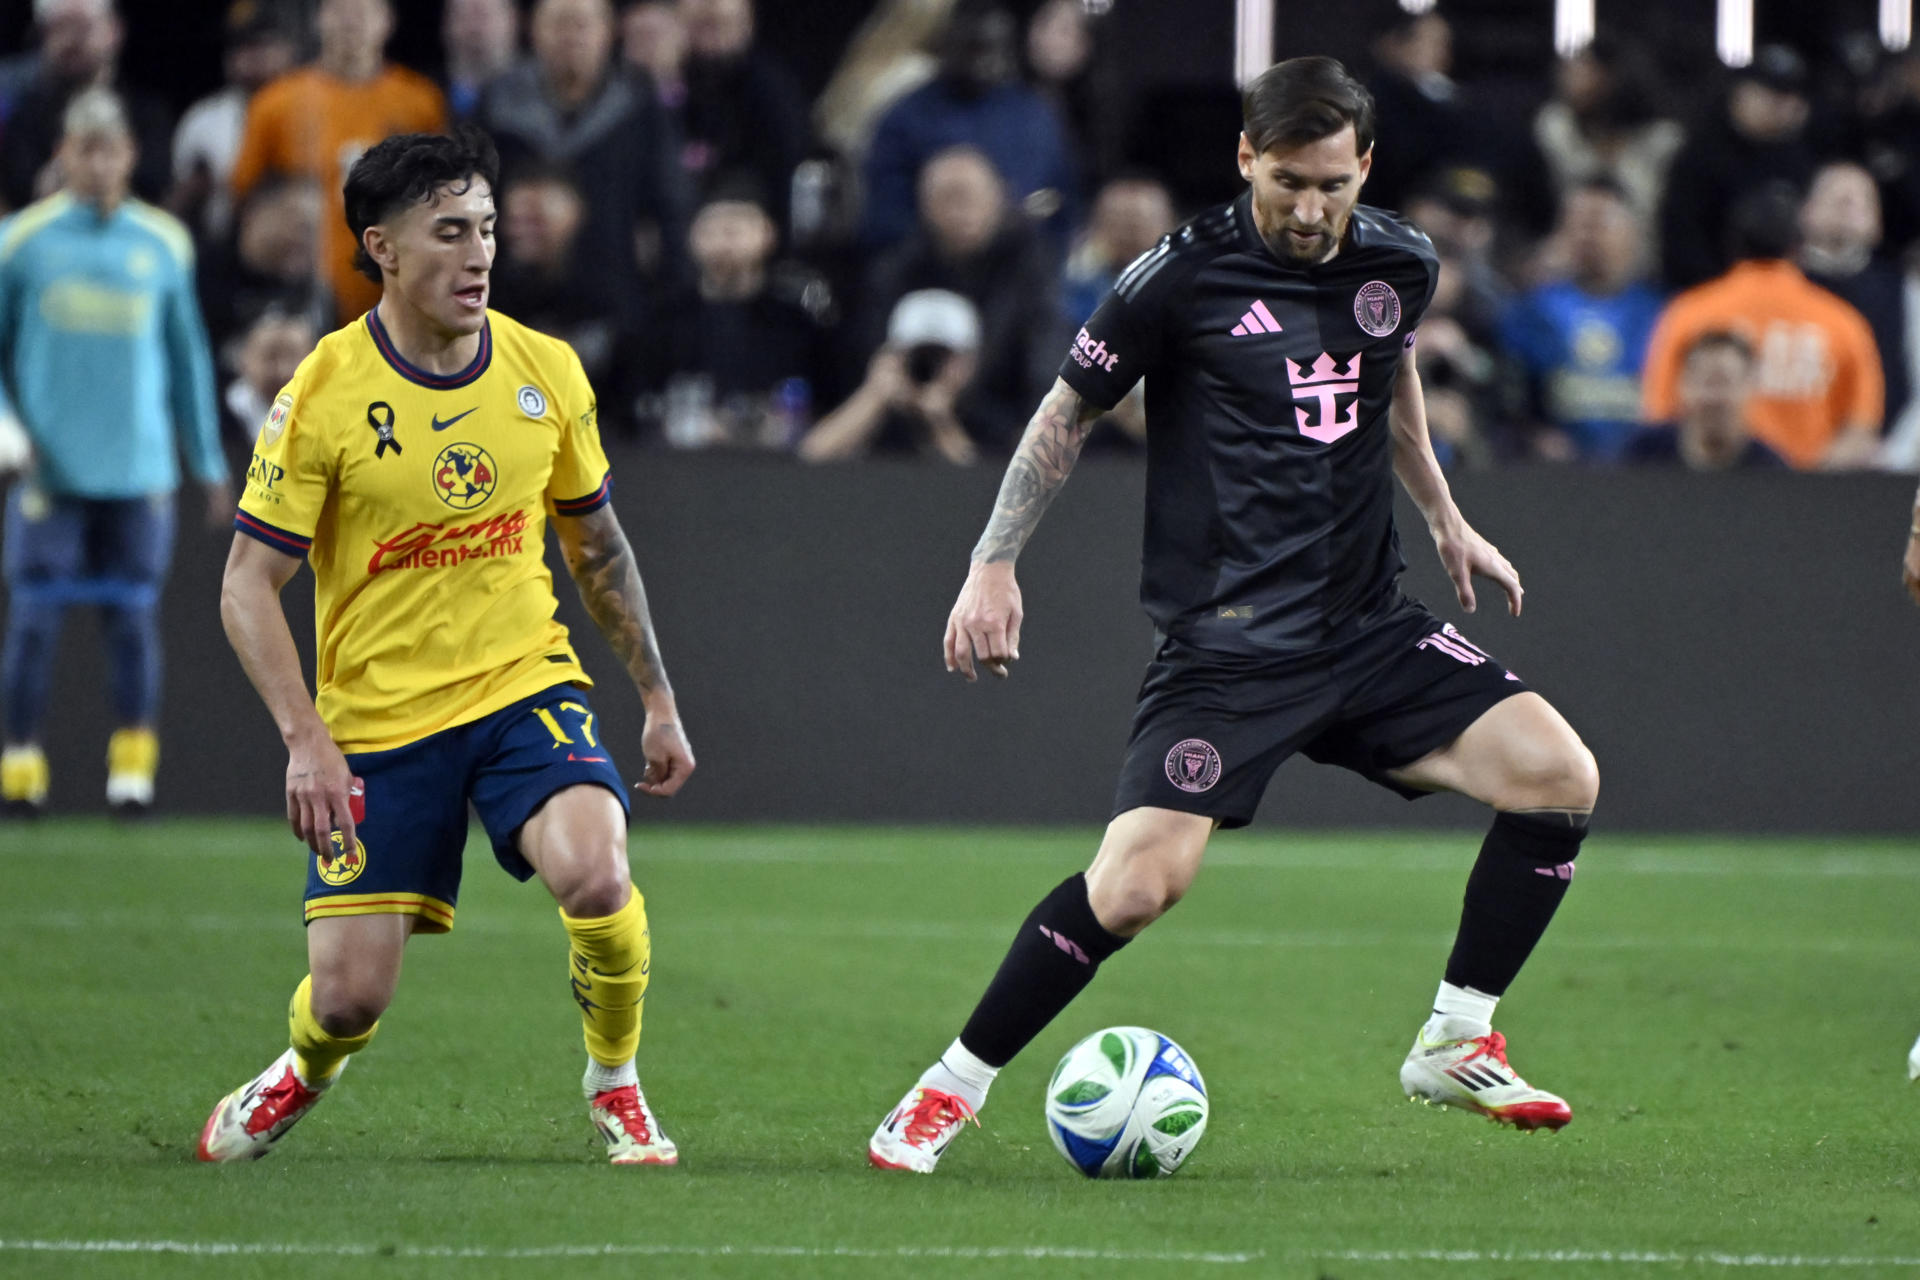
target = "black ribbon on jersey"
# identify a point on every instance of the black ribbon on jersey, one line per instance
(380, 418)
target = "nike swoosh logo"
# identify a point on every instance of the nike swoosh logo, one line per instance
(439, 425)
(586, 759)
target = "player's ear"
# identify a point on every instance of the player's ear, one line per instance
(1246, 157)
(374, 240)
(1366, 164)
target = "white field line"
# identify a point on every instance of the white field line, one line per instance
(28, 919)
(1621, 1257)
(1452, 853)
(219, 1249)
(961, 1253)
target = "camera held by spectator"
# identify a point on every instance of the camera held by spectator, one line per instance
(907, 402)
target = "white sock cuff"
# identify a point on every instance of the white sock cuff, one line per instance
(600, 1078)
(961, 1061)
(1464, 1002)
(960, 1072)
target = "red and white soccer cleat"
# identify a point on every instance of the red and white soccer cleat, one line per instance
(912, 1138)
(248, 1121)
(627, 1125)
(1474, 1075)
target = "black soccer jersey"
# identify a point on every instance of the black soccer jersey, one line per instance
(1270, 466)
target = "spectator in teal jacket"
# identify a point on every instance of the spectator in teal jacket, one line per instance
(104, 365)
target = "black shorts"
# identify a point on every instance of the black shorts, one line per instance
(1211, 728)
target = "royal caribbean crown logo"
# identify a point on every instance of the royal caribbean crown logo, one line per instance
(464, 476)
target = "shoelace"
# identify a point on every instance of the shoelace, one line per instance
(934, 1112)
(625, 1103)
(279, 1101)
(1492, 1045)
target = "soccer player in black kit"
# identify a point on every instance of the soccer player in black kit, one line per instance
(1276, 337)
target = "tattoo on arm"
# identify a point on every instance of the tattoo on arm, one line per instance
(1040, 466)
(603, 567)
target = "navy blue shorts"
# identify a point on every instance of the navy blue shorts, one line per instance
(1211, 728)
(415, 827)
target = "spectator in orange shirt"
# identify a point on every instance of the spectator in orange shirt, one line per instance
(1820, 389)
(315, 122)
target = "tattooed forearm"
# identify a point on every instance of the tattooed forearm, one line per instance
(603, 567)
(1040, 466)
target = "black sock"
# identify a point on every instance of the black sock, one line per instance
(1524, 869)
(1051, 961)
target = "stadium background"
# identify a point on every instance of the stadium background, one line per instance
(800, 606)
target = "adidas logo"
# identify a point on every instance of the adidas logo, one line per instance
(1257, 320)
(1479, 1078)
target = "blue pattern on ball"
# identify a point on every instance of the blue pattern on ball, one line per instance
(1086, 1154)
(1179, 1068)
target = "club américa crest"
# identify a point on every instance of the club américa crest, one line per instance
(341, 866)
(464, 476)
(1193, 765)
(1376, 308)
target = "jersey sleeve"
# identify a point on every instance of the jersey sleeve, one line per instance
(288, 478)
(582, 480)
(1124, 336)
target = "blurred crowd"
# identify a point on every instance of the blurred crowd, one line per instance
(1711, 269)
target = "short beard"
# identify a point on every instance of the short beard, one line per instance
(1282, 248)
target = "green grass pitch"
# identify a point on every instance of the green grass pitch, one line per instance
(1729, 1019)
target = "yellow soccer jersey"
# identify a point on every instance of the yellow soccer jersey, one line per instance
(421, 501)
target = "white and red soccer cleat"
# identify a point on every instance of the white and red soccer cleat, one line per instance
(912, 1138)
(627, 1125)
(1474, 1075)
(248, 1121)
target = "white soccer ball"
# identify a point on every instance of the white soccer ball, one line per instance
(1126, 1102)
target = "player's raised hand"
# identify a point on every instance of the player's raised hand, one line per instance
(669, 757)
(1466, 554)
(985, 622)
(318, 786)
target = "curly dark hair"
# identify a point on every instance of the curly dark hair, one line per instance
(411, 168)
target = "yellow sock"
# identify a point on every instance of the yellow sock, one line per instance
(608, 963)
(135, 751)
(316, 1054)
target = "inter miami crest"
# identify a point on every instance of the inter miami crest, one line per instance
(1193, 765)
(1376, 308)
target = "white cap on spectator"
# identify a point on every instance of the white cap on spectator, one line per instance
(934, 317)
(94, 111)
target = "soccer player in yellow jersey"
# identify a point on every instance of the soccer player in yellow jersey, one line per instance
(413, 462)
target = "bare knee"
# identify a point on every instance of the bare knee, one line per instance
(1131, 888)
(355, 963)
(598, 886)
(345, 1007)
(1557, 775)
(577, 841)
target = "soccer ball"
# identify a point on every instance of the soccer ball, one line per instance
(1126, 1103)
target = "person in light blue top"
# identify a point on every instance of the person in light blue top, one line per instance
(105, 370)
(1582, 341)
